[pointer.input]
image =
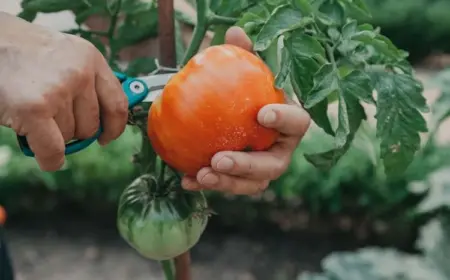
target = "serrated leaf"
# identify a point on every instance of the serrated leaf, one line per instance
(284, 18)
(399, 119)
(325, 83)
(348, 90)
(358, 84)
(302, 73)
(305, 45)
(283, 74)
(350, 116)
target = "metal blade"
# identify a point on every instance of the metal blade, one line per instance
(155, 85)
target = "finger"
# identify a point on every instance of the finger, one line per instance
(290, 120)
(87, 115)
(66, 122)
(207, 179)
(237, 36)
(47, 143)
(252, 165)
(113, 102)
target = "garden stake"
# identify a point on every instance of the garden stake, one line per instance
(167, 56)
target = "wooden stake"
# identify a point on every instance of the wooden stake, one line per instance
(167, 51)
(167, 58)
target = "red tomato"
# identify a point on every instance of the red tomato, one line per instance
(2, 215)
(211, 105)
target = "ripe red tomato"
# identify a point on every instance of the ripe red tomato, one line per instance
(211, 105)
(2, 215)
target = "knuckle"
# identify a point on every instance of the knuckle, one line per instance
(278, 168)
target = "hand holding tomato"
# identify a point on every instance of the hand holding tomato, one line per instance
(251, 172)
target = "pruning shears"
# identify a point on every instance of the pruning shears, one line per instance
(138, 90)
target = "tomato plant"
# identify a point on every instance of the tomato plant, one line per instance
(211, 105)
(317, 53)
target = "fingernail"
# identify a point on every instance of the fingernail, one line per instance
(270, 117)
(225, 164)
(209, 179)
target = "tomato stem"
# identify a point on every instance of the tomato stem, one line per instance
(199, 31)
(168, 269)
(162, 170)
(218, 20)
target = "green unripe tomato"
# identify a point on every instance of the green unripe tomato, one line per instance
(160, 226)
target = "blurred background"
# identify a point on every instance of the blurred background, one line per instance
(349, 223)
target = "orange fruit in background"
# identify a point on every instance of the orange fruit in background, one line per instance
(211, 105)
(2, 215)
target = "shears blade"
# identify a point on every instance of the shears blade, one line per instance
(155, 84)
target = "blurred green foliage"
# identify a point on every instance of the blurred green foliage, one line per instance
(419, 26)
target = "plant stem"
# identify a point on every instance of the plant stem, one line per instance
(215, 19)
(168, 268)
(111, 30)
(199, 31)
(162, 170)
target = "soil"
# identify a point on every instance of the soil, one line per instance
(81, 250)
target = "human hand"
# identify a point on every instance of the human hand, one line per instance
(246, 173)
(55, 87)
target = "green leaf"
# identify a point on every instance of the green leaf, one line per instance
(27, 15)
(302, 73)
(356, 8)
(304, 6)
(137, 27)
(83, 15)
(305, 45)
(52, 6)
(283, 74)
(331, 13)
(354, 36)
(284, 18)
(399, 119)
(350, 116)
(354, 86)
(326, 82)
(358, 84)
(141, 66)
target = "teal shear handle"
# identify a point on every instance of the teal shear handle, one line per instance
(136, 91)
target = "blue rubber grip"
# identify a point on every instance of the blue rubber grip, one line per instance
(135, 89)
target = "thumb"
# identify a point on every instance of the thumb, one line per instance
(47, 144)
(237, 36)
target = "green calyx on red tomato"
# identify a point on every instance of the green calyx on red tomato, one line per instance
(161, 225)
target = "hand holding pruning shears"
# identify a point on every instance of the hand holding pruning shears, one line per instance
(56, 87)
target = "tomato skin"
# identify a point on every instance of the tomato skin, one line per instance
(160, 227)
(211, 105)
(2, 215)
